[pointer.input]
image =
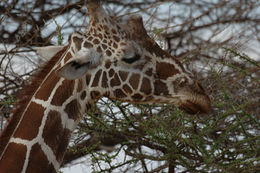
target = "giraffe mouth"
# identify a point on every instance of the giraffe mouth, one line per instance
(195, 108)
(199, 105)
(192, 105)
(194, 99)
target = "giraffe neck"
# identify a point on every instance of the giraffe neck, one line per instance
(40, 129)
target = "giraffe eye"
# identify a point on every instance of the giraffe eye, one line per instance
(132, 60)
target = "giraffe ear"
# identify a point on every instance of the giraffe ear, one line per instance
(79, 65)
(48, 52)
(73, 69)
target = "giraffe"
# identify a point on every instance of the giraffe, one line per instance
(113, 58)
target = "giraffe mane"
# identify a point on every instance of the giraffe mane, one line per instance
(25, 96)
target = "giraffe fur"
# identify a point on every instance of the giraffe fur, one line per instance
(114, 58)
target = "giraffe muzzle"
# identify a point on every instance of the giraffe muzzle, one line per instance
(195, 100)
(196, 108)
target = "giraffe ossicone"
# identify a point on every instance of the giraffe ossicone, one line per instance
(114, 58)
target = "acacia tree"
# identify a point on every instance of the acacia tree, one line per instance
(210, 38)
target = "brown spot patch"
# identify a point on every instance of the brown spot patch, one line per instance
(90, 38)
(117, 39)
(113, 31)
(137, 97)
(108, 52)
(63, 144)
(88, 106)
(123, 75)
(160, 88)
(111, 72)
(104, 46)
(106, 94)
(115, 81)
(165, 70)
(95, 95)
(67, 57)
(106, 28)
(88, 77)
(127, 89)
(94, 22)
(47, 87)
(119, 93)
(118, 27)
(99, 49)
(96, 41)
(77, 41)
(100, 36)
(13, 159)
(104, 82)
(134, 80)
(83, 95)
(28, 128)
(88, 45)
(80, 85)
(122, 43)
(63, 92)
(115, 45)
(107, 64)
(54, 138)
(149, 72)
(146, 86)
(72, 109)
(37, 156)
(96, 79)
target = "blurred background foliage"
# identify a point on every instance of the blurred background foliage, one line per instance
(219, 41)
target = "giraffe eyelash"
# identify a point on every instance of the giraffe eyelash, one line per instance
(131, 60)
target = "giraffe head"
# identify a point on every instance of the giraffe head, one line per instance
(117, 59)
